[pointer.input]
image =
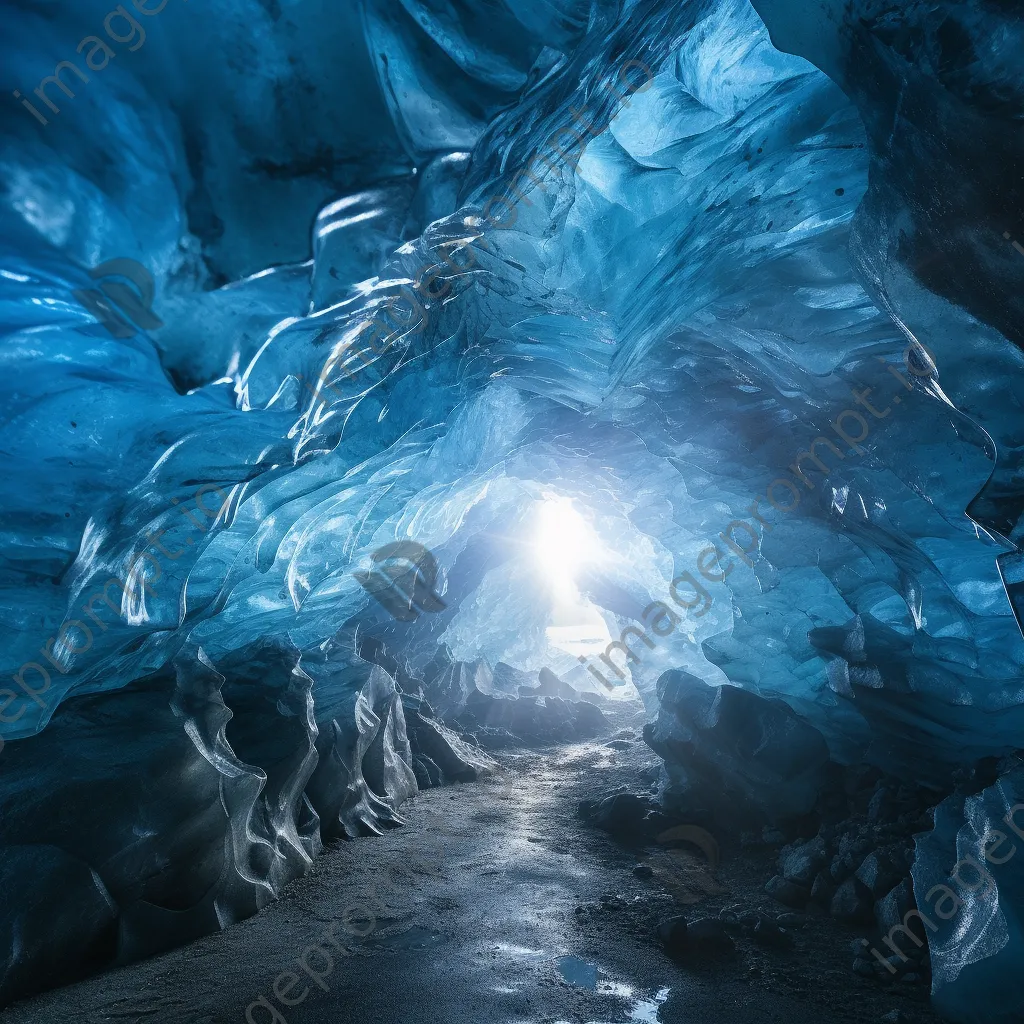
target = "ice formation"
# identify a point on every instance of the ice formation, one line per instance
(741, 298)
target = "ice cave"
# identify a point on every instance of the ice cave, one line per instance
(513, 511)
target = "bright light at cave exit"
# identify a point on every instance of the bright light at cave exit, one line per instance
(564, 544)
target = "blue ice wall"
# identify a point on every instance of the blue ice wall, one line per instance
(421, 273)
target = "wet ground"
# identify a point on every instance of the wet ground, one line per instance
(495, 903)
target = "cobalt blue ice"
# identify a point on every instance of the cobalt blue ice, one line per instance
(683, 335)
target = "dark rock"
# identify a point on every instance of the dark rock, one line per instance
(672, 932)
(622, 814)
(655, 822)
(853, 848)
(754, 756)
(590, 719)
(709, 934)
(915, 822)
(801, 862)
(549, 685)
(67, 895)
(832, 805)
(768, 934)
(861, 779)
(468, 696)
(852, 902)
(910, 795)
(863, 968)
(897, 963)
(823, 889)
(878, 873)
(883, 806)
(891, 910)
(619, 744)
(696, 938)
(788, 893)
(532, 720)
(836, 871)
(643, 871)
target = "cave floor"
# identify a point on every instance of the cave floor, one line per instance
(500, 915)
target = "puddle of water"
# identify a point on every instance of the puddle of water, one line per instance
(586, 975)
(645, 1011)
(578, 972)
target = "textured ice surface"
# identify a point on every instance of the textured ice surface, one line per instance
(970, 889)
(656, 331)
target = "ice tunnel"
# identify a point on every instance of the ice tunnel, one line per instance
(464, 400)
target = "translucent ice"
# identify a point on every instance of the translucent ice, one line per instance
(747, 304)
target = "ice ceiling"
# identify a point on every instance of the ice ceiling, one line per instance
(567, 369)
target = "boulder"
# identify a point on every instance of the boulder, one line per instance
(801, 862)
(753, 756)
(852, 902)
(892, 908)
(621, 814)
(695, 938)
(788, 893)
(879, 872)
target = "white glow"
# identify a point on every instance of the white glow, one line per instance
(564, 544)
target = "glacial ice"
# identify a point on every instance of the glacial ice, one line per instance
(202, 691)
(971, 895)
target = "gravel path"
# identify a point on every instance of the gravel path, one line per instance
(494, 904)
